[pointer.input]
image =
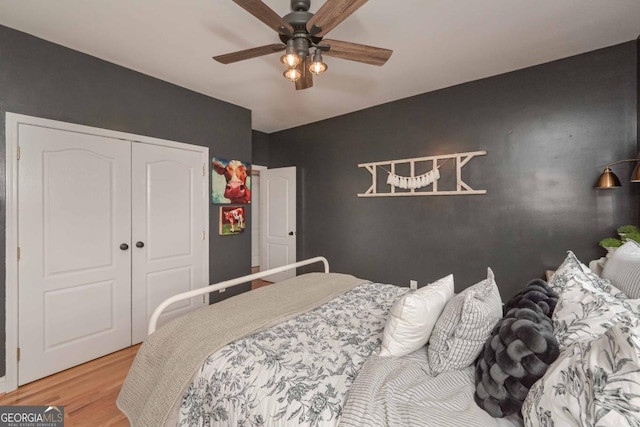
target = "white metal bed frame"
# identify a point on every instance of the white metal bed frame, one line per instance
(228, 284)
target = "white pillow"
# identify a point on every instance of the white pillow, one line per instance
(464, 326)
(587, 305)
(413, 316)
(584, 313)
(591, 383)
(623, 269)
(572, 267)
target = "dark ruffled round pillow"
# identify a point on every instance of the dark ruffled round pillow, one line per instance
(518, 352)
(537, 292)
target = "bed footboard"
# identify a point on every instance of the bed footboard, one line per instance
(228, 284)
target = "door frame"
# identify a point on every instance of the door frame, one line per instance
(12, 122)
(256, 170)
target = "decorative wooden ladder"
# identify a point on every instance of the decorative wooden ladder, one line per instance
(462, 188)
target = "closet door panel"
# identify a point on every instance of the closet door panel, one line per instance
(168, 213)
(74, 280)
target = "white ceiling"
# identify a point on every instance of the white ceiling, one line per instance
(436, 43)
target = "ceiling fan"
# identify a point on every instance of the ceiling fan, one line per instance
(301, 31)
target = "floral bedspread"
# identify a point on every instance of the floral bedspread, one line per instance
(296, 373)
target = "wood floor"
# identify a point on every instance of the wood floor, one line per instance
(88, 392)
(259, 282)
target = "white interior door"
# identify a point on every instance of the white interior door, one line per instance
(169, 210)
(278, 227)
(74, 278)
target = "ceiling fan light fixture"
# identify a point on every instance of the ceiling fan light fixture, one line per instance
(317, 66)
(292, 74)
(300, 32)
(291, 58)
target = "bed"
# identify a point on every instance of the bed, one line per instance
(314, 351)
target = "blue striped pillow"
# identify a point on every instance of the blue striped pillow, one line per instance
(622, 269)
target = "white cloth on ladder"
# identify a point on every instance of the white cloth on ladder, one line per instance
(413, 182)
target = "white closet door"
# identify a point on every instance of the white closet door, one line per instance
(169, 205)
(75, 280)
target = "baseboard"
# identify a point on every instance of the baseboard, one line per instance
(3, 385)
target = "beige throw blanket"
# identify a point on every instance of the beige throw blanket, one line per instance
(168, 358)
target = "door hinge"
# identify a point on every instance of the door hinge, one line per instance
(203, 301)
(18, 253)
(203, 170)
(18, 354)
(18, 152)
(203, 236)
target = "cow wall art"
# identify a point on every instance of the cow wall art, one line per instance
(230, 181)
(231, 220)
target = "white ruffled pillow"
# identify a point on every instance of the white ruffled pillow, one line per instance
(413, 316)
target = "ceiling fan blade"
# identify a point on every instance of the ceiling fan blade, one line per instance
(331, 13)
(357, 52)
(249, 53)
(306, 81)
(264, 13)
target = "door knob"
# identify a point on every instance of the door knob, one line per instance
(140, 245)
(291, 233)
(124, 246)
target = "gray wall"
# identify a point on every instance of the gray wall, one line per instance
(42, 79)
(549, 130)
(260, 147)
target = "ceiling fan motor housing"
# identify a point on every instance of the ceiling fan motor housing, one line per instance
(297, 5)
(298, 20)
